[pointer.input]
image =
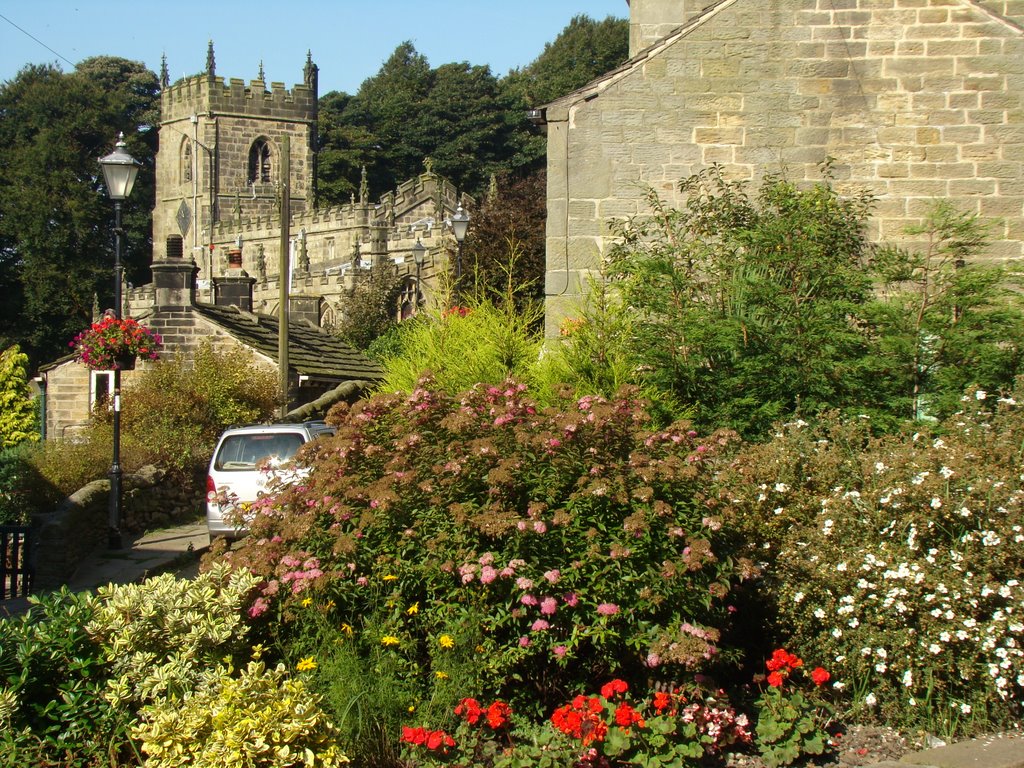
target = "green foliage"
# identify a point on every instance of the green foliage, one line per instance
(461, 347)
(760, 309)
(456, 114)
(743, 305)
(504, 248)
(55, 220)
(174, 412)
(370, 310)
(898, 559)
(19, 418)
(259, 719)
(161, 635)
(583, 51)
(944, 324)
(20, 484)
(52, 677)
(75, 671)
(59, 468)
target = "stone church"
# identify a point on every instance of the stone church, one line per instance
(912, 100)
(217, 241)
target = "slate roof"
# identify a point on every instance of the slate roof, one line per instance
(311, 351)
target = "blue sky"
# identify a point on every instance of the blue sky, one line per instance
(349, 39)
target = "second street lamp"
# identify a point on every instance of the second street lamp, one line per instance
(119, 172)
(460, 224)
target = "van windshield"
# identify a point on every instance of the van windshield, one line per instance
(246, 452)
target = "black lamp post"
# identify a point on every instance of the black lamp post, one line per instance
(419, 255)
(459, 223)
(119, 172)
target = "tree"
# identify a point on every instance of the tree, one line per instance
(55, 234)
(18, 417)
(583, 51)
(504, 248)
(944, 324)
(371, 308)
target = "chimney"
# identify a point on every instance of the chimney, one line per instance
(235, 287)
(174, 279)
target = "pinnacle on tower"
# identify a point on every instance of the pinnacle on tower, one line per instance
(310, 71)
(211, 63)
(165, 78)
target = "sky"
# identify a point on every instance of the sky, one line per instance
(349, 39)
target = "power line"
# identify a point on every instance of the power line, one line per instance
(33, 37)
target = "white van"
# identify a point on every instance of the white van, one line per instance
(245, 462)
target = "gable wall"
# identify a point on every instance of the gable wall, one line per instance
(914, 99)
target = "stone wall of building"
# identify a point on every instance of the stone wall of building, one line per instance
(208, 128)
(913, 100)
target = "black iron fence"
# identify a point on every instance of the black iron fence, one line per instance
(15, 561)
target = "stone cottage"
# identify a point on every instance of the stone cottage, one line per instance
(911, 99)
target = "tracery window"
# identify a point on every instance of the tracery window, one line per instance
(409, 299)
(259, 162)
(186, 161)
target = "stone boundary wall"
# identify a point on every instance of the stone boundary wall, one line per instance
(66, 536)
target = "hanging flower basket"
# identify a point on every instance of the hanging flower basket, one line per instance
(113, 344)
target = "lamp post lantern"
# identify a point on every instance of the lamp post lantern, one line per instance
(460, 224)
(119, 172)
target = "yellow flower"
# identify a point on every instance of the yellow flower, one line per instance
(329, 605)
(446, 641)
(390, 577)
(389, 640)
(412, 708)
(306, 664)
(413, 609)
(306, 602)
(347, 629)
(441, 675)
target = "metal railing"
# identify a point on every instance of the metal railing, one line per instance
(15, 561)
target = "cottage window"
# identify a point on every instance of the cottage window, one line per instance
(101, 387)
(259, 162)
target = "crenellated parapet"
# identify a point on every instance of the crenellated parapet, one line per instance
(235, 96)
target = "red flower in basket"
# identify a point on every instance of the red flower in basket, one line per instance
(113, 344)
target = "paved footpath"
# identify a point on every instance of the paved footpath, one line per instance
(149, 554)
(999, 751)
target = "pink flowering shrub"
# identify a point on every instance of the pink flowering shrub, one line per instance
(545, 547)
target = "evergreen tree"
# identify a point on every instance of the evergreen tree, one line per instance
(18, 418)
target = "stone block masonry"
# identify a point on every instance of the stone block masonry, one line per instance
(911, 101)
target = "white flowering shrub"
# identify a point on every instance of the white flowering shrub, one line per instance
(899, 561)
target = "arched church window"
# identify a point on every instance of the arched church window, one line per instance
(186, 161)
(409, 299)
(259, 162)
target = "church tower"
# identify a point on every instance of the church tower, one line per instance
(219, 160)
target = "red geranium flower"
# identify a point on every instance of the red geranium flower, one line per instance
(820, 676)
(608, 690)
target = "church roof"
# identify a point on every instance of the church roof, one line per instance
(311, 351)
